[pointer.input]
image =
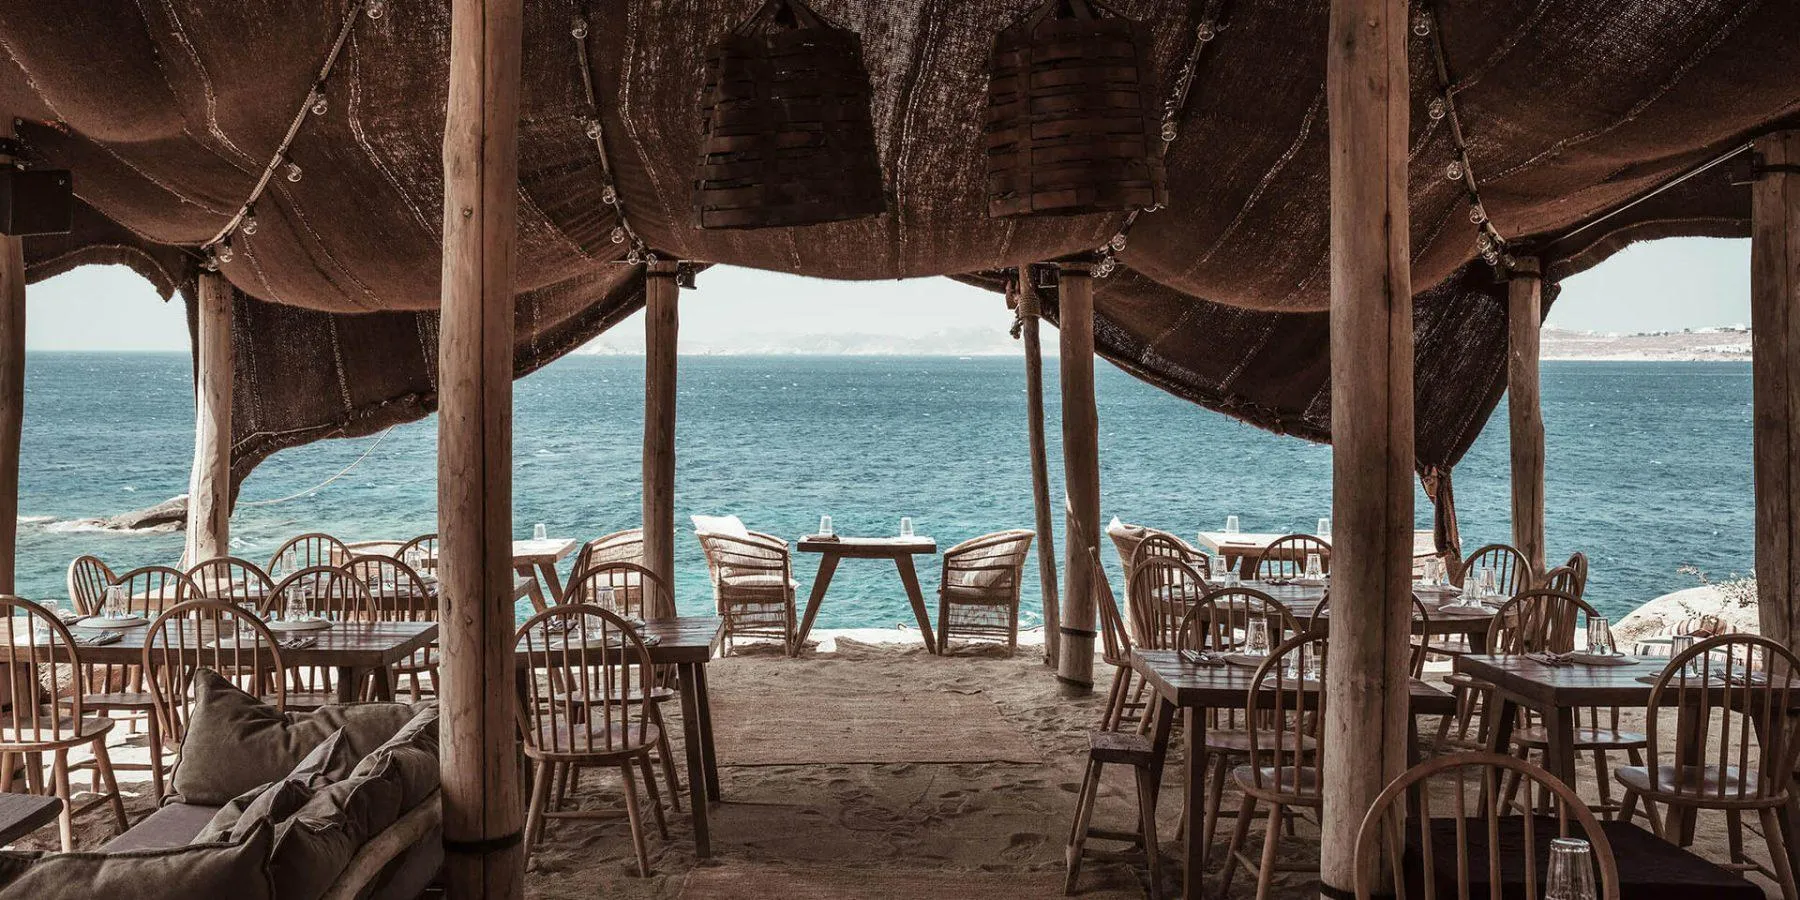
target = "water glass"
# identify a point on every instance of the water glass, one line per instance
(1230, 577)
(1600, 637)
(115, 607)
(1295, 667)
(825, 526)
(539, 532)
(296, 609)
(1434, 570)
(906, 529)
(1256, 637)
(1324, 530)
(290, 561)
(1680, 644)
(1231, 524)
(605, 598)
(1489, 584)
(1571, 870)
(1314, 569)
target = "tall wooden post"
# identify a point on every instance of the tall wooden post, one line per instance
(1371, 422)
(483, 808)
(1775, 350)
(1081, 472)
(1029, 313)
(661, 324)
(209, 484)
(12, 387)
(1524, 406)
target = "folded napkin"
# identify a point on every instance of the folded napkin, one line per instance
(1551, 659)
(97, 640)
(1196, 658)
(298, 643)
(821, 537)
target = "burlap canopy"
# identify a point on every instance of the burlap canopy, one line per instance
(167, 112)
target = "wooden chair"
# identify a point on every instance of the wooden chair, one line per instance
(147, 591)
(88, 580)
(1476, 819)
(234, 579)
(1283, 711)
(978, 588)
(48, 713)
(186, 637)
(1217, 625)
(1285, 557)
(1533, 621)
(1168, 546)
(1320, 621)
(1126, 538)
(579, 644)
(1735, 746)
(619, 546)
(305, 551)
(327, 592)
(421, 553)
(1578, 563)
(753, 585)
(398, 594)
(1561, 579)
(1512, 572)
(1161, 593)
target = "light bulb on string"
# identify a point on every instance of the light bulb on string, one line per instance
(293, 171)
(609, 196)
(249, 225)
(593, 129)
(618, 234)
(1435, 109)
(579, 28)
(223, 253)
(319, 104)
(376, 8)
(1454, 171)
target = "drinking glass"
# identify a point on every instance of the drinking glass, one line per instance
(1314, 570)
(1295, 667)
(906, 529)
(824, 526)
(1230, 577)
(1489, 585)
(1680, 644)
(1571, 870)
(290, 561)
(296, 608)
(1256, 638)
(1434, 570)
(1600, 637)
(605, 598)
(1324, 529)
(539, 532)
(115, 607)
(1231, 524)
(414, 558)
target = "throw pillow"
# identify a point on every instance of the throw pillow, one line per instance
(726, 525)
(413, 755)
(314, 846)
(330, 762)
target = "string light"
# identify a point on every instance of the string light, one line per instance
(249, 226)
(319, 104)
(1489, 243)
(223, 253)
(637, 252)
(377, 8)
(293, 171)
(579, 28)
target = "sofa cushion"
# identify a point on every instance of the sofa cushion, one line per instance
(273, 803)
(413, 754)
(731, 526)
(314, 846)
(173, 825)
(235, 741)
(239, 871)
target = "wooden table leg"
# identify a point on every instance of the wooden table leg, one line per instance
(910, 578)
(1194, 800)
(708, 751)
(1500, 724)
(1679, 820)
(696, 763)
(828, 563)
(552, 583)
(1559, 757)
(349, 680)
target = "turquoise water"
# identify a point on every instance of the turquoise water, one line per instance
(1649, 465)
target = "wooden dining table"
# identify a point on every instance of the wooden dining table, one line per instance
(1194, 689)
(1246, 548)
(900, 550)
(687, 643)
(1302, 599)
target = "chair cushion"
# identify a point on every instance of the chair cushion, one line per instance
(234, 741)
(731, 526)
(1649, 868)
(172, 825)
(238, 871)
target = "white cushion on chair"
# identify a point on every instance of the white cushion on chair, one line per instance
(731, 526)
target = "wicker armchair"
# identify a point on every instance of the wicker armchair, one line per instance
(620, 546)
(978, 595)
(1127, 537)
(753, 582)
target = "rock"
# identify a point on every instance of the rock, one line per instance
(1732, 602)
(169, 515)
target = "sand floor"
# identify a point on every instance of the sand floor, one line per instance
(887, 829)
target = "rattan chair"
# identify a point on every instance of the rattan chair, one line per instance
(978, 589)
(399, 594)
(753, 585)
(1735, 748)
(147, 591)
(579, 644)
(619, 546)
(233, 579)
(1127, 538)
(1476, 819)
(40, 651)
(1284, 709)
(307, 550)
(206, 634)
(88, 580)
(1285, 557)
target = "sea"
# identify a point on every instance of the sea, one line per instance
(1648, 472)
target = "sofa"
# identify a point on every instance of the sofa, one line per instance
(334, 804)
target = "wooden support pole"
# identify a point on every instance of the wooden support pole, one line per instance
(1775, 367)
(1371, 423)
(661, 324)
(1029, 313)
(12, 387)
(209, 484)
(1524, 407)
(483, 807)
(1081, 473)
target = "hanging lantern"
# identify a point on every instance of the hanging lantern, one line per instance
(787, 138)
(1072, 123)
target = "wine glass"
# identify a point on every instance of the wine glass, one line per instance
(906, 528)
(539, 532)
(1571, 870)
(824, 526)
(1231, 524)
(1256, 637)
(1600, 637)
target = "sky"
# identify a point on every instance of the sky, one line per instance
(1668, 285)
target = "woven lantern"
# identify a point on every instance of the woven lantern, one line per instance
(787, 137)
(1072, 123)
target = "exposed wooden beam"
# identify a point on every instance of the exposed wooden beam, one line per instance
(12, 387)
(1524, 407)
(483, 808)
(1081, 472)
(1029, 314)
(1371, 422)
(209, 483)
(1775, 350)
(661, 325)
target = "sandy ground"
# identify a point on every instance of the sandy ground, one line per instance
(987, 821)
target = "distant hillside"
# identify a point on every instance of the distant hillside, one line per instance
(1707, 344)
